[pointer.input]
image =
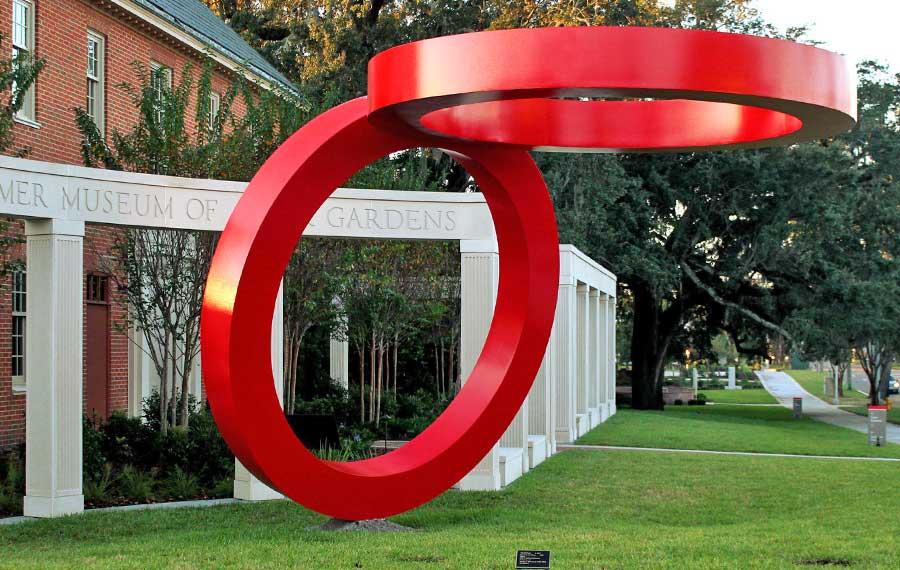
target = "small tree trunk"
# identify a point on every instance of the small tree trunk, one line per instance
(362, 383)
(372, 379)
(164, 388)
(380, 383)
(396, 345)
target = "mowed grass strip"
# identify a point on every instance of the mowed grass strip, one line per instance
(591, 509)
(725, 427)
(747, 396)
(814, 383)
(893, 415)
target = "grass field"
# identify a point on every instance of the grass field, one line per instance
(751, 396)
(593, 510)
(813, 383)
(733, 428)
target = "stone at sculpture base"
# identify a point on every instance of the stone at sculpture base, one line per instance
(373, 525)
(537, 450)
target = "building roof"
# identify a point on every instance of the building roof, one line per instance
(195, 19)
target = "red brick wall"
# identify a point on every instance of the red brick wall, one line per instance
(60, 38)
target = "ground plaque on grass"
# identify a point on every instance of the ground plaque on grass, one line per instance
(532, 559)
(374, 525)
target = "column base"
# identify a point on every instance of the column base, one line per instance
(604, 412)
(537, 450)
(48, 507)
(565, 435)
(581, 425)
(249, 488)
(594, 420)
(511, 468)
(254, 490)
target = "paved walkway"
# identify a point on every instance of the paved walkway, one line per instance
(784, 388)
(568, 446)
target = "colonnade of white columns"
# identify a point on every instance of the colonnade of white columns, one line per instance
(574, 389)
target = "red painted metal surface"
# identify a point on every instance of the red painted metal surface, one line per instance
(486, 98)
(714, 90)
(243, 284)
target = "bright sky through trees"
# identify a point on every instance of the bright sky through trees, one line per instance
(864, 29)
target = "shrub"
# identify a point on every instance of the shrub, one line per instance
(679, 402)
(696, 402)
(208, 455)
(93, 458)
(223, 488)
(135, 485)
(701, 396)
(98, 491)
(12, 482)
(181, 485)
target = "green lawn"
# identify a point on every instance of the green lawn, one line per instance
(749, 396)
(813, 383)
(593, 510)
(893, 415)
(733, 428)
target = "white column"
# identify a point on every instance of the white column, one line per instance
(246, 486)
(565, 363)
(479, 277)
(53, 368)
(732, 381)
(542, 409)
(339, 370)
(339, 353)
(139, 370)
(598, 373)
(611, 357)
(607, 383)
(582, 415)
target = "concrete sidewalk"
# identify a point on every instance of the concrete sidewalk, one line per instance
(784, 388)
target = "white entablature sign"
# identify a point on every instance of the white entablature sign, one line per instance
(32, 189)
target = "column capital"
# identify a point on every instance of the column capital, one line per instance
(53, 226)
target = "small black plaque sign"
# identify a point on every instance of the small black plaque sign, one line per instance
(533, 559)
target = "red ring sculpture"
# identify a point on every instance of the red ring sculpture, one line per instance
(243, 284)
(485, 97)
(713, 90)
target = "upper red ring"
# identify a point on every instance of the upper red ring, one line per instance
(721, 90)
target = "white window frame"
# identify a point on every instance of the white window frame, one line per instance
(215, 102)
(155, 66)
(98, 80)
(24, 42)
(18, 328)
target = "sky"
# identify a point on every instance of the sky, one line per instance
(861, 29)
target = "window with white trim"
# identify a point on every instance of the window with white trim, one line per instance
(18, 329)
(214, 103)
(96, 79)
(161, 82)
(23, 46)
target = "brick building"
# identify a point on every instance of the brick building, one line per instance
(90, 47)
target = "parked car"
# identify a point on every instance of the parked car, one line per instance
(893, 386)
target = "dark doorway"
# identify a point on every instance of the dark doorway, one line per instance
(97, 346)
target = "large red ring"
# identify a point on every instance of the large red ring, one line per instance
(718, 90)
(242, 287)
